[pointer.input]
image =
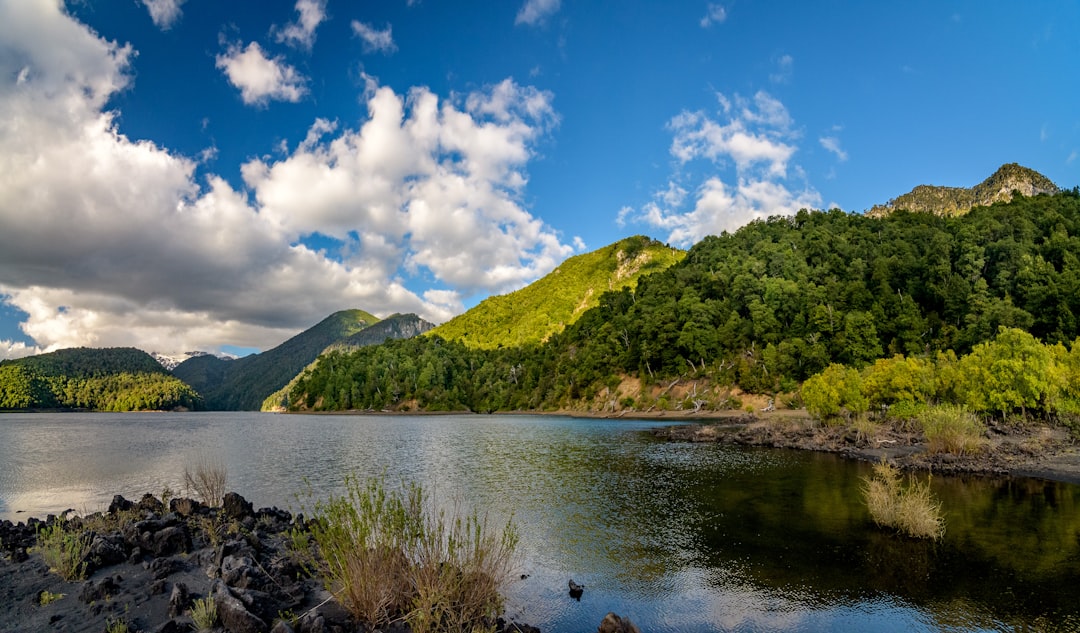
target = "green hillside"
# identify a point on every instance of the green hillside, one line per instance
(113, 379)
(760, 311)
(242, 384)
(547, 306)
(393, 327)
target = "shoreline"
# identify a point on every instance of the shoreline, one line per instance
(147, 563)
(1036, 451)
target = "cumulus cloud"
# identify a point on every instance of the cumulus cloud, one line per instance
(17, 349)
(115, 242)
(535, 12)
(714, 14)
(756, 137)
(375, 41)
(259, 77)
(301, 33)
(164, 13)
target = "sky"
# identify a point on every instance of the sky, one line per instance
(180, 175)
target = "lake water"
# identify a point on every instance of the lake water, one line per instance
(678, 537)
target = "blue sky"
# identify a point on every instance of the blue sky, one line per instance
(180, 175)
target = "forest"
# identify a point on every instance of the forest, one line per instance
(762, 309)
(115, 379)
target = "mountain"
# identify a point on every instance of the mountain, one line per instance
(548, 305)
(111, 379)
(172, 362)
(947, 201)
(393, 327)
(244, 383)
(756, 311)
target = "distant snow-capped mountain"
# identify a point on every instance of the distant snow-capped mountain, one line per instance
(170, 362)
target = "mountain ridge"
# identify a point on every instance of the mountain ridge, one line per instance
(553, 302)
(948, 201)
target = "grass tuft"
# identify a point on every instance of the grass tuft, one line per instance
(389, 556)
(910, 509)
(203, 613)
(952, 429)
(47, 597)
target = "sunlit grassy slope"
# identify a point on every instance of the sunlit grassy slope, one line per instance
(548, 305)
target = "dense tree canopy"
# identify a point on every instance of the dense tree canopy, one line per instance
(116, 379)
(767, 307)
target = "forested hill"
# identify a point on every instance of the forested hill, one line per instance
(393, 327)
(999, 187)
(112, 379)
(547, 306)
(762, 309)
(243, 383)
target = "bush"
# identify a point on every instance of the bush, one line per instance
(63, 550)
(910, 509)
(390, 556)
(208, 481)
(952, 429)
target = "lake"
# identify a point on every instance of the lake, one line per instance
(679, 537)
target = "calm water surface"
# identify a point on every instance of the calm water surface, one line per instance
(679, 537)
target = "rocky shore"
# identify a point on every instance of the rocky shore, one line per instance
(1032, 450)
(149, 561)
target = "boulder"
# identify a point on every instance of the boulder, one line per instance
(232, 612)
(120, 504)
(150, 503)
(171, 540)
(235, 507)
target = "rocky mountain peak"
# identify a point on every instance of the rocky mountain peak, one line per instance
(999, 187)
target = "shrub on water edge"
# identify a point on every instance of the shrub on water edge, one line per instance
(911, 510)
(952, 429)
(208, 481)
(388, 555)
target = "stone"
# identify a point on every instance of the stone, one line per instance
(232, 612)
(171, 540)
(235, 507)
(107, 550)
(93, 591)
(150, 503)
(120, 504)
(179, 600)
(614, 624)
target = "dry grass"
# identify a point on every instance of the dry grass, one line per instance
(203, 614)
(208, 481)
(389, 556)
(952, 429)
(910, 509)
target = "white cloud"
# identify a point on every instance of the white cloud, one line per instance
(301, 33)
(754, 135)
(757, 136)
(164, 13)
(714, 14)
(535, 12)
(114, 242)
(832, 144)
(260, 78)
(444, 178)
(1072, 157)
(17, 349)
(785, 68)
(375, 41)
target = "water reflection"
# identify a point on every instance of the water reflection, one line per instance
(678, 537)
